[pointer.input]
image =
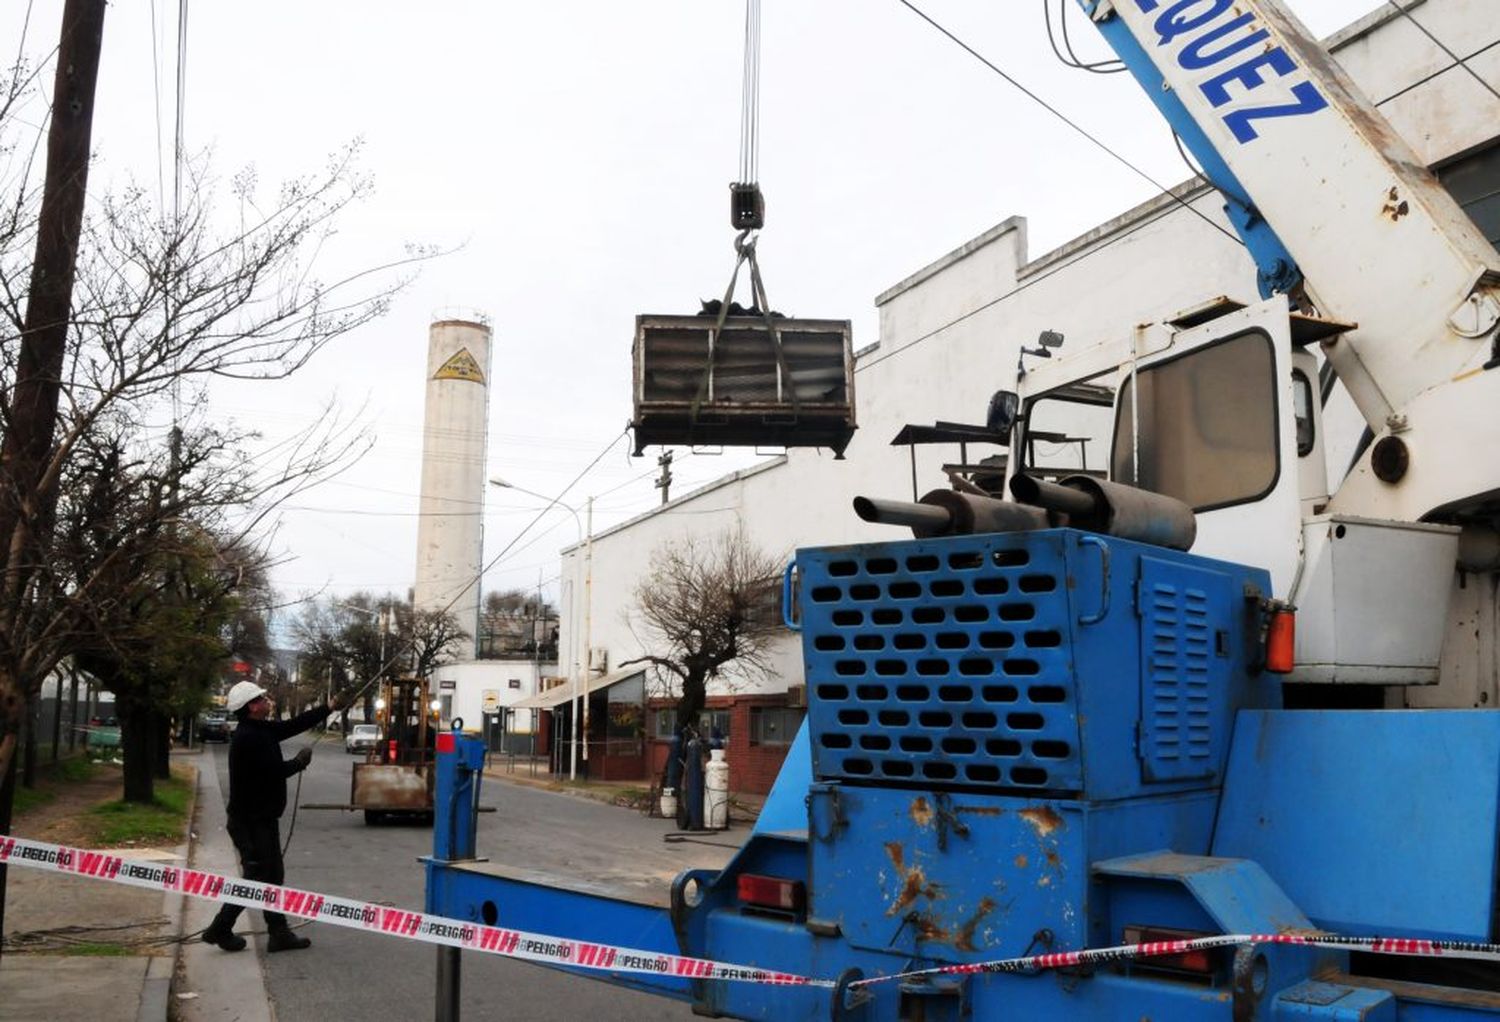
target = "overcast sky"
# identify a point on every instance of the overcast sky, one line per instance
(574, 155)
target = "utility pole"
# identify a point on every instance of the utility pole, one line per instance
(32, 415)
(664, 481)
(588, 623)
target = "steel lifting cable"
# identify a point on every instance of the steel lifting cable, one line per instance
(750, 97)
(747, 215)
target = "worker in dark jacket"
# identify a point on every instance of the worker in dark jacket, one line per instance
(257, 797)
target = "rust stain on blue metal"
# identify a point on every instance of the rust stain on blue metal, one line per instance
(1043, 819)
(980, 810)
(914, 883)
(965, 938)
(930, 929)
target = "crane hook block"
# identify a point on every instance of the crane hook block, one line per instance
(747, 207)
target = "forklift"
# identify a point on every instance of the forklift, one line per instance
(396, 778)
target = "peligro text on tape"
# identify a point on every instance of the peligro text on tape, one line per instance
(550, 950)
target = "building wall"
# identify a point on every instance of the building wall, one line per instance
(950, 334)
(472, 679)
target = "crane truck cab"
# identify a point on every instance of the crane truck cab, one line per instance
(1220, 406)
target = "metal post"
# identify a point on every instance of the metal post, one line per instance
(588, 623)
(384, 625)
(580, 671)
(448, 984)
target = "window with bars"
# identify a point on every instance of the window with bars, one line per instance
(774, 725)
(1474, 181)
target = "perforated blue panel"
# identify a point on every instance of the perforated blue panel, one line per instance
(944, 661)
(1054, 661)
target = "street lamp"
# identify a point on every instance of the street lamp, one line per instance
(586, 537)
(377, 615)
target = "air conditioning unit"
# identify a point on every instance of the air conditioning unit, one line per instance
(796, 696)
(599, 659)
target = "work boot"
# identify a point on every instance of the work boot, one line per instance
(223, 937)
(285, 940)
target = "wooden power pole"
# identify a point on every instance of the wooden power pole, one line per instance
(31, 419)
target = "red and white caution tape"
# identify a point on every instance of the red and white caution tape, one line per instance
(549, 950)
(363, 915)
(1156, 949)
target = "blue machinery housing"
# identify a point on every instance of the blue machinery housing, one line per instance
(1048, 741)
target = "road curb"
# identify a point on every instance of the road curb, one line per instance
(156, 991)
(156, 995)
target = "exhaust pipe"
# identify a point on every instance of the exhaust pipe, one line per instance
(949, 513)
(1113, 509)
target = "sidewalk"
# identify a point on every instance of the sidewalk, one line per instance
(101, 986)
(211, 986)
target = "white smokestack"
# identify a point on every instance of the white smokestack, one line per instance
(450, 538)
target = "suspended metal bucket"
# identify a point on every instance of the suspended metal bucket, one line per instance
(695, 385)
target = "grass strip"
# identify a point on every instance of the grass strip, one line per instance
(163, 819)
(51, 776)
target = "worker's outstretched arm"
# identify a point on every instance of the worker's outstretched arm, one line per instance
(284, 729)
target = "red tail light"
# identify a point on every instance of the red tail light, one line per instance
(391, 751)
(771, 892)
(1197, 962)
(1281, 642)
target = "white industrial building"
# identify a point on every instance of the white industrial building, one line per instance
(950, 333)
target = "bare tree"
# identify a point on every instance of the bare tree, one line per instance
(517, 603)
(704, 605)
(434, 638)
(341, 641)
(167, 303)
(344, 638)
(516, 621)
(153, 581)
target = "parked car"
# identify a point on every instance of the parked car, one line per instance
(362, 738)
(215, 727)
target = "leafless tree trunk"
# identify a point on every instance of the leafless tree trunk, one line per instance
(30, 414)
(706, 605)
(73, 721)
(57, 715)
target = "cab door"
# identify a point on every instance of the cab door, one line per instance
(1209, 419)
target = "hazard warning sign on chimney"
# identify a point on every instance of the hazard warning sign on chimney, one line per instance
(460, 367)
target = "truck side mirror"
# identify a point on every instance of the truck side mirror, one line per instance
(1004, 407)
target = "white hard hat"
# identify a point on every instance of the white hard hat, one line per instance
(243, 694)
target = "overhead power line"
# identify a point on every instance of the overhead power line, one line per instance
(1460, 61)
(1064, 118)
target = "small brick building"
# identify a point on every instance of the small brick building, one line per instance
(757, 731)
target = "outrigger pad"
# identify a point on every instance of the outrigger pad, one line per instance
(695, 385)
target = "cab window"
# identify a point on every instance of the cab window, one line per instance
(1067, 431)
(1207, 425)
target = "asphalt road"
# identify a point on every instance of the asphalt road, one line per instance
(347, 974)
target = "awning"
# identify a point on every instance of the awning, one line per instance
(559, 694)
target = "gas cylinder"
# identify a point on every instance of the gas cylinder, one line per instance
(716, 791)
(669, 803)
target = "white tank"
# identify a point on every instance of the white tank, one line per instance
(716, 791)
(450, 532)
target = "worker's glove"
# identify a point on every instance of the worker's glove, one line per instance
(303, 757)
